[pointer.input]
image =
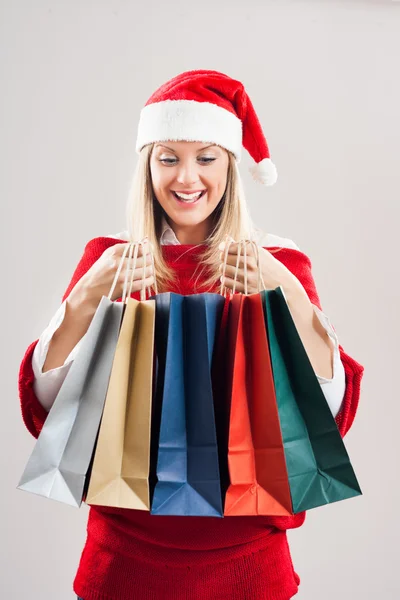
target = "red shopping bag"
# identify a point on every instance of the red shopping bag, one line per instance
(259, 482)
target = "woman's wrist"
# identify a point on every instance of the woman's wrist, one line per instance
(316, 341)
(294, 291)
(82, 301)
(80, 308)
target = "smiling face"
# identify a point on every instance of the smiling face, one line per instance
(189, 167)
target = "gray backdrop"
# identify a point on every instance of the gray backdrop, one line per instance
(323, 77)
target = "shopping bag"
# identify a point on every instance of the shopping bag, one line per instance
(187, 469)
(120, 471)
(58, 465)
(258, 482)
(219, 377)
(256, 459)
(318, 465)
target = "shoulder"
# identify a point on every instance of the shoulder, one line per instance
(268, 240)
(100, 243)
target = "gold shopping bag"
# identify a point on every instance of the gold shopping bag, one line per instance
(121, 464)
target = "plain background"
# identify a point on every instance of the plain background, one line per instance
(324, 80)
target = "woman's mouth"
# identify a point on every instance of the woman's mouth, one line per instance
(188, 199)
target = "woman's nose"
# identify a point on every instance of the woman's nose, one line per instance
(188, 173)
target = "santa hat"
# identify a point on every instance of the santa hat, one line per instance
(207, 106)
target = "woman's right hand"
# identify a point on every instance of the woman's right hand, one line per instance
(98, 280)
(85, 297)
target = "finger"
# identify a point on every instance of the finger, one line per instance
(232, 260)
(138, 284)
(240, 277)
(230, 283)
(114, 261)
(118, 249)
(148, 247)
(230, 272)
(234, 248)
(137, 275)
(223, 244)
(239, 287)
(139, 261)
(147, 269)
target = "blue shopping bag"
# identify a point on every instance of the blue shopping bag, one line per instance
(184, 431)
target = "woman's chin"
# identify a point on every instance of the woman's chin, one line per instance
(186, 219)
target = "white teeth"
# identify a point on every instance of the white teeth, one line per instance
(189, 196)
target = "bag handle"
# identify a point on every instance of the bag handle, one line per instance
(261, 282)
(144, 288)
(121, 262)
(133, 247)
(243, 242)
(145, 252)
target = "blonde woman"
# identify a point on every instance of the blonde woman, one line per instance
(186, 197)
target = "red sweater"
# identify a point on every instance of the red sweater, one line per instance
(132, 555)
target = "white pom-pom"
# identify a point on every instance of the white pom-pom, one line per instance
(264, 172)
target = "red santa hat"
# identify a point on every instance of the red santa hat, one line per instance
(207, 106)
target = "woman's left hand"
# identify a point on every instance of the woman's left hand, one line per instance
(274, 273)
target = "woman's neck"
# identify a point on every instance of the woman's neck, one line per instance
(191, 234)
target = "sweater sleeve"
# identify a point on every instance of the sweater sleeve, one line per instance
(33, 412)
(300, 265)
(334, 388)
(47, 384)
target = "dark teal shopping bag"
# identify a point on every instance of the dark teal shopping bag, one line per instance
(318, 465)
(187, 468)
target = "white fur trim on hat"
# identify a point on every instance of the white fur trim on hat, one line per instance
(189, 120)
(264, 172)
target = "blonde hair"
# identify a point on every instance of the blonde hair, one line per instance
(144, 217)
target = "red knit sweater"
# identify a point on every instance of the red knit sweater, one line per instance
(132, 555)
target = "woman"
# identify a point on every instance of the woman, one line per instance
(186, 197)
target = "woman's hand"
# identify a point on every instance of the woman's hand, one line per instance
(98, 280)
(273, 272)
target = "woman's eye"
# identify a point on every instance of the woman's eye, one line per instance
(171, 161)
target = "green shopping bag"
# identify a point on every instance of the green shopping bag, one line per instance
(318, 465)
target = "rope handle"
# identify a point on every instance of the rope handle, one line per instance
(144, 288)
(133, 248)
(118, 271)
(125, 295)
(243, 242)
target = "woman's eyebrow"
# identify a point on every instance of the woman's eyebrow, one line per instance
(172, 150)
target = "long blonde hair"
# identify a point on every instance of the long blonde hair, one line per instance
(144, 217)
